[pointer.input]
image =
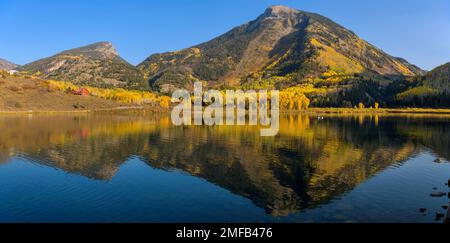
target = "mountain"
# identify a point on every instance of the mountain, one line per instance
(415, 69)
(429, 90)
(282, 47)
(97, 64)
(6, 65)
(439, 78)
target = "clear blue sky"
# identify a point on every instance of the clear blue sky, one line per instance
(31, 29)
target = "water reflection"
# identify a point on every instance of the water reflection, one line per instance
(309, 163)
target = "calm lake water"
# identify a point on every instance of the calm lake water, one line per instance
(128, 168)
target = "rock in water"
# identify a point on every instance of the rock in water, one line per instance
(440, 215)
(447, 219)
(438, 194)
(423, 210)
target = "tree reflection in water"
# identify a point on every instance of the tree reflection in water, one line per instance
(309, 163)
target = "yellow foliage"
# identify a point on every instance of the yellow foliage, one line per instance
(265, 48)
(293, 99)
(403, 69)
(3, 73)
(306, 89)
(335, 77)
(197, 52)
(164, 101)
(329, 73)
(117, 94)
(61, 86)
(278, 60)
(329, 57)
(420, 91)
(70, 57)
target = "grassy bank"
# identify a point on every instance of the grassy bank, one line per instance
(374, 111)
(112, 110)
(146, 109)
(27, 94)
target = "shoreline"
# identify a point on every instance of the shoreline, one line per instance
(86, 111)
(343, 111)
(369, 111)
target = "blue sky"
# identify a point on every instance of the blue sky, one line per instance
(30, 29)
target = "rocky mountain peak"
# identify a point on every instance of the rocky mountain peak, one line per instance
(106, 48)
(281, 11)
(289, 18)
(7, 65)
(99, 50)
(96, 64)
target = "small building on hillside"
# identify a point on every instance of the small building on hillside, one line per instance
(12, 72)
(81, 91)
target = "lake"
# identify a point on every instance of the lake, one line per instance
(140, 168)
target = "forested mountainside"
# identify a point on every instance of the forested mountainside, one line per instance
(97, 65)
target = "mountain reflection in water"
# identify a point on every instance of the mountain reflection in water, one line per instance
(310, 163)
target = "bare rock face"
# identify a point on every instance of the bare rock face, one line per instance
(280, 9)
(282, 42)
(97, 64)
(97, 50)
(281, 12)
(107, 49)
(6, 65)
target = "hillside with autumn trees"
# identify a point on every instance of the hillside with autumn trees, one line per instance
(312, 60)
(298, 53)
